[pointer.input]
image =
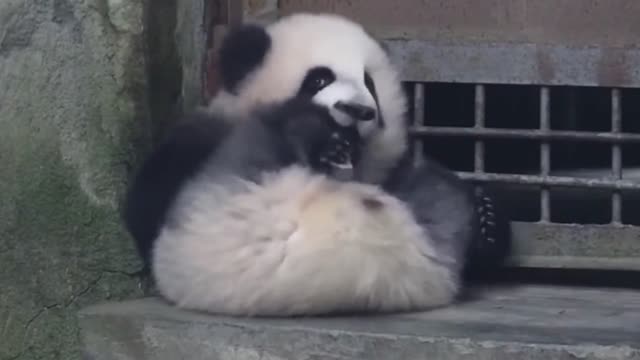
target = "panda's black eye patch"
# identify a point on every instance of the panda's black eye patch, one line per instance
(368, 82)
(315, 80)
(371, 86)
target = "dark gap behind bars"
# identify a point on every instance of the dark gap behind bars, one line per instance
(448, 110)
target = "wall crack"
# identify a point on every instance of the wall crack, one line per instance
(63, 305)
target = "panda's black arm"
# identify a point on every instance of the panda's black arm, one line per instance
(267, 140)
(467, 224)
(293, 132)
(189, 143)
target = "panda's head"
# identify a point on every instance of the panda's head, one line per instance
(329, 59)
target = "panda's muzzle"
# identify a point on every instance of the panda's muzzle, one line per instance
(356, 111)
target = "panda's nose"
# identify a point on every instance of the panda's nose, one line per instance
(356, 111)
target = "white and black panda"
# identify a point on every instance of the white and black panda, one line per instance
(233, 213)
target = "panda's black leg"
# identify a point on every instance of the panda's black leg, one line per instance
(465, 225)
(145, 279)
(492, 244)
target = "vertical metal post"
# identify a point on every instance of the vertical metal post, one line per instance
(418, 120)
(545, 158)
(479, 124)
(616, 156)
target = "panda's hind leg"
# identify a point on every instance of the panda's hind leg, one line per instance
(466, 226)
(491, 246)
(156, 184)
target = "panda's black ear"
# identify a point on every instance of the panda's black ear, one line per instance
(242, 51)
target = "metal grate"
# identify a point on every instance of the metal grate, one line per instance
(545, 134)
(555, 236)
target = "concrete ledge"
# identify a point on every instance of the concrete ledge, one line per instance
(529, 322)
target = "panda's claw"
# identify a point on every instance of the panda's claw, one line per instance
(337, 150)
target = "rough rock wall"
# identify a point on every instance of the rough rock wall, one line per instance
(73, 116)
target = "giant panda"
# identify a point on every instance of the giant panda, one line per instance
(230, 224)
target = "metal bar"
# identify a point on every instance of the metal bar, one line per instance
(616, 156)
(532, 134)
(562, 181)
(479, 124)
(545, 159)
(418, 120)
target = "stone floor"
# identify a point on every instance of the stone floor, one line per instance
(526, 322)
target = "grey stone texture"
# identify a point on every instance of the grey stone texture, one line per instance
(73, 118)
(190, 40)
(528, 322)
(260, 11)
(573, 23)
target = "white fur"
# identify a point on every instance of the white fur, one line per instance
(297, 244)
(347, 91)
(302, 41)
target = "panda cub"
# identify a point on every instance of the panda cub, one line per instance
(295, 193)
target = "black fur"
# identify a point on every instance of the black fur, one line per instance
(462, 223)
(343, 147)
(189, 144)
(242, 51)
(371, 86)
(294, 132)
(492, 243)
(315, 79)
(439, 201)
(157, 182)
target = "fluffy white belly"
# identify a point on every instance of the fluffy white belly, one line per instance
(298, 244)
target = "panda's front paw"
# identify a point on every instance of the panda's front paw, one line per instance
(337, 152)
(337, 156)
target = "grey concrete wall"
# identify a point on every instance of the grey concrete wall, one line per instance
(73, 118)
(260, 10)
(609, 23)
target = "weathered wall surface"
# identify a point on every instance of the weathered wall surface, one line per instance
(563, 22)
(260, 10)
(72, 111)
(190, 39)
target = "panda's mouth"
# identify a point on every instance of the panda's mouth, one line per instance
(342, 152)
